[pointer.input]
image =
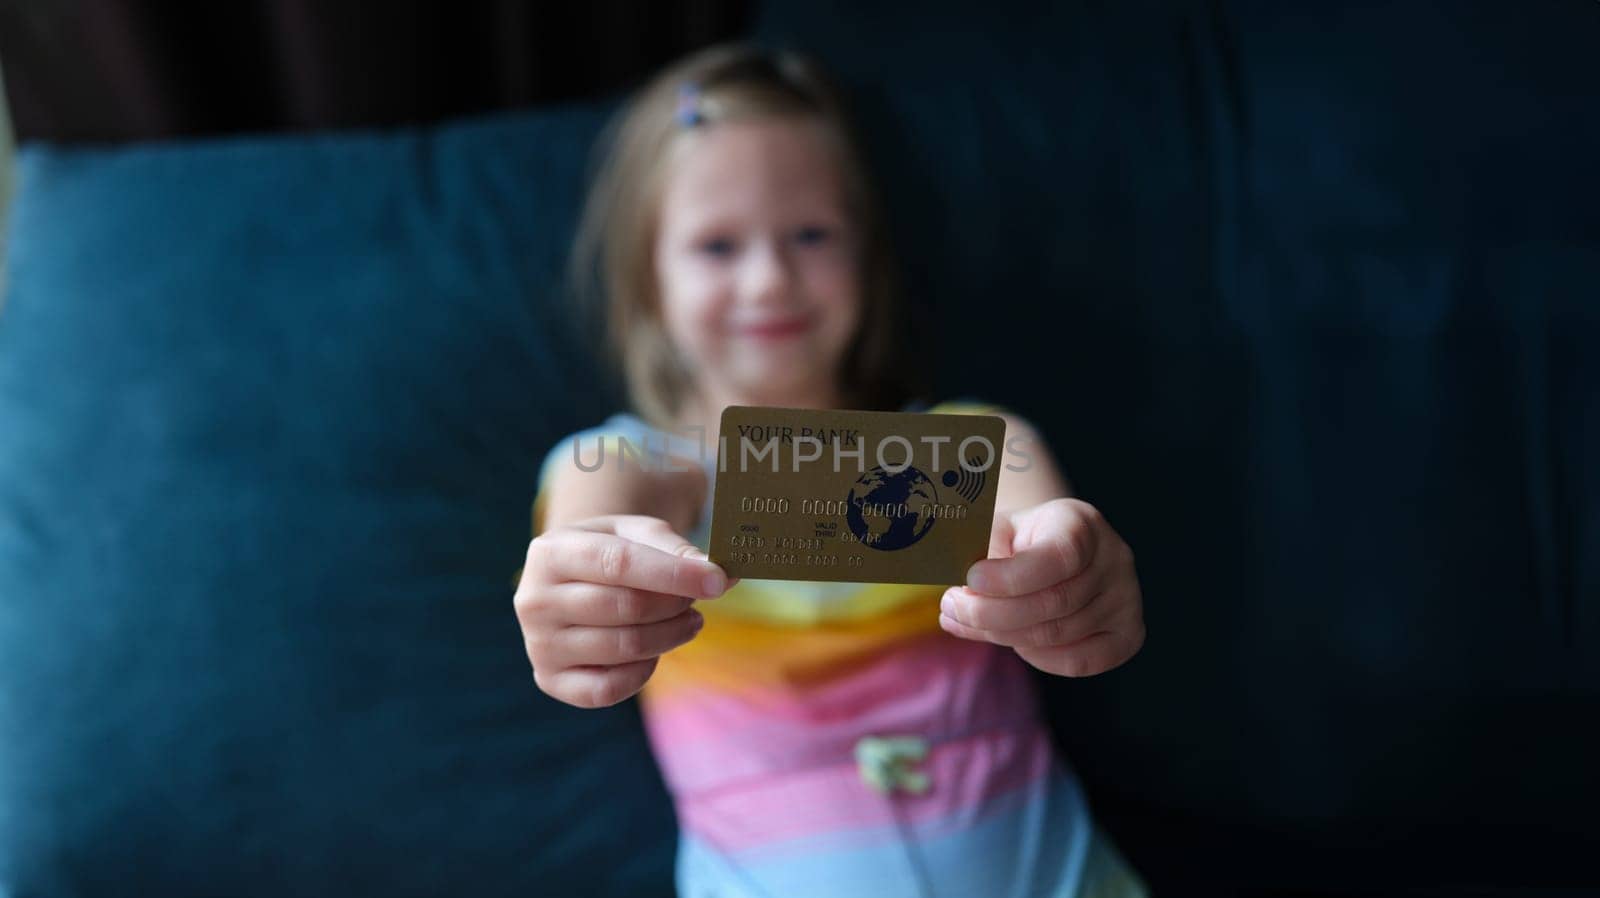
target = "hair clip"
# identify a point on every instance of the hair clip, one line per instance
(689, 114)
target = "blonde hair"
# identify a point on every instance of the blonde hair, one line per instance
(613, 270)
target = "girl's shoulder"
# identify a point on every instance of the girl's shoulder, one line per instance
(620, 424)
(625, 446)
(960, 405)
(622, 432)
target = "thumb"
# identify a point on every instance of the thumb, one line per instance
(699, 554)
(1002, 535)
(658, 534)
(655, 533)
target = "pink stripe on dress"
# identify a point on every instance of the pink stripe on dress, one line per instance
(937, 687)
(967, 775)
(754, 767)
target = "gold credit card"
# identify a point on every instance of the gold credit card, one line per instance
(872, 497)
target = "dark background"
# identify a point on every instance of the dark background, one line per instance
(1306, 296)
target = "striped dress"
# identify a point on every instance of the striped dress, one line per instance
(831, 739)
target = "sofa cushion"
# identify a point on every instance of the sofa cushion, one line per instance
(272, 411)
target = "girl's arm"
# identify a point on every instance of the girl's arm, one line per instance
(1041, 482)
(574, 494)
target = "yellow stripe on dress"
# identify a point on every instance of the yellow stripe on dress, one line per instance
(738, 654)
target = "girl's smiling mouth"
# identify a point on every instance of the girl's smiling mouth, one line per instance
(775, 328)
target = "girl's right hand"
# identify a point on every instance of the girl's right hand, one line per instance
(602, 598)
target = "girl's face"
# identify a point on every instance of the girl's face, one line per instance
(755, 262)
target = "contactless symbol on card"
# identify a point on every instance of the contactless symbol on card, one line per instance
(810, 494)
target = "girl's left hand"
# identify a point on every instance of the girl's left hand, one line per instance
(1059, 586)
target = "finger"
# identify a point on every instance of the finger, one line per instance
(653, 532)
(583, 646)
(1029, 570)
(595, 687)
(659, 534)
(1058, 631)
(603, 605)
(600, 557)
(986, 612)
(1001, 536)
(1063, 547)
(1094, 654)
(956, 628)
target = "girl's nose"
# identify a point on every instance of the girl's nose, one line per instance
(768, 273)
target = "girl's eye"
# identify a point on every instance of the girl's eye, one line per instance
(812, 235)
(717, 247)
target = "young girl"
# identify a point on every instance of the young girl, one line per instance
(817, 738)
